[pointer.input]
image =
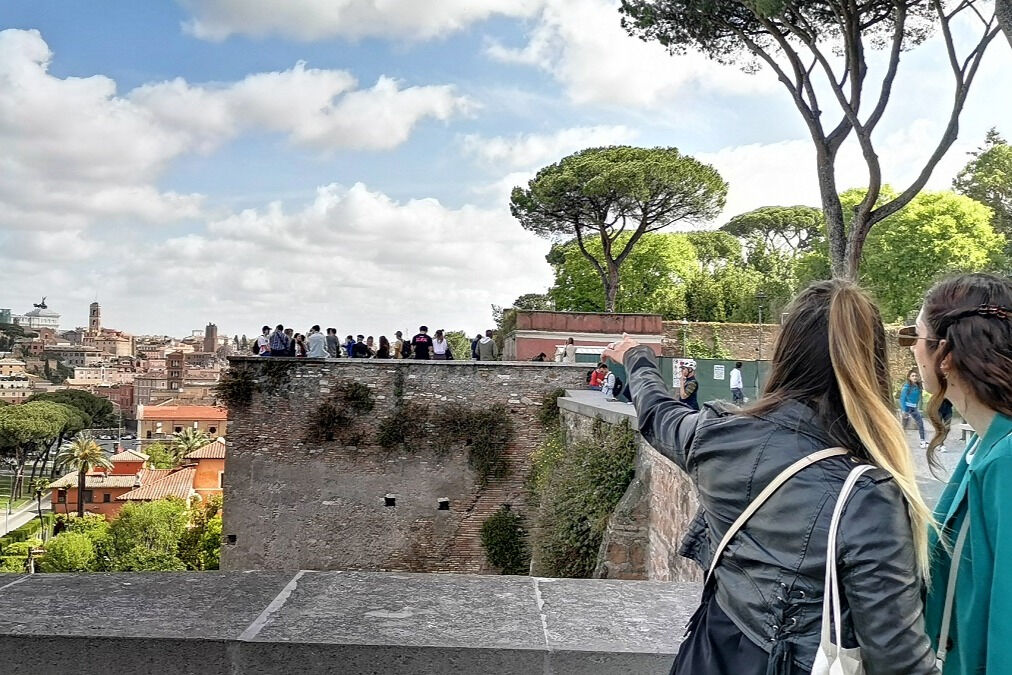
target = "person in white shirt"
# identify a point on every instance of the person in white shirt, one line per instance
(570, 355)
(264, 342)
(737, 389)
(439, 346)
(608, 389)
(317, 344)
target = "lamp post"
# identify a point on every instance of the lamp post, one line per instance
(760, 298)
(685, 333)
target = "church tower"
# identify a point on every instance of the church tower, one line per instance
(95, 318)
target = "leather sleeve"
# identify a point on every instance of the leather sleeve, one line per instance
(665, 423)
(878, 575)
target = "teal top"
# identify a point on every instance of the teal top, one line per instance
(981, 488)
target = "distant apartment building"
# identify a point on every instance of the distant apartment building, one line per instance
(147, 385)
(102, 374)
(74, 355)
(116, 344)
(11, 367)
(162, 421)
(122, 395)
(15, 388)
(211, 338)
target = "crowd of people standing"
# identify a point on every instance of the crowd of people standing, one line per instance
(317, 345)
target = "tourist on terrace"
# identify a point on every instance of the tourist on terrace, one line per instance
(361, 349)
(598, 376)
(349, 347)
(440, 346)
(421, 344)
(688, 387)
(384, 348)
(279, 342)
(264, 342)
(316, 343)
(487, 351)
(962, 344)
(762, 606)
(474, 346)
(910, 403)
(737, 386)
(333, 344)
(301, 351)
(398, 346)
(290, 334)
(569, 356)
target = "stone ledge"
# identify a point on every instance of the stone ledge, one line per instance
(591, 403)
(338, 622)
(383, 363)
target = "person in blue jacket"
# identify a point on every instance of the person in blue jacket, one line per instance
(910, 402)
(963, 346)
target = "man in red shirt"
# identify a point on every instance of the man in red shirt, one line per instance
(598, 376)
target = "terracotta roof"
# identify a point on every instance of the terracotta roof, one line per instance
(129, 456)
(177, 484)
(149, 476)
(184, 412)
(213, 450)
(95, 481)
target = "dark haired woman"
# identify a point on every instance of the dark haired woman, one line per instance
(384, 348)
(910, 403)
(963, 345)
(829, 391)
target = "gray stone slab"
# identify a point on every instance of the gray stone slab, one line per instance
(409, 610)
(614, 617)
(591, 403)
(176, 605)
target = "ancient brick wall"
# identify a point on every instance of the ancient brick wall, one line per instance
(295, 504)
(646, 529)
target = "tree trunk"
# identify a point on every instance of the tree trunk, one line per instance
(833, 210)
(1003, 10)
(42, 522)
(611, 284)
(80, 491)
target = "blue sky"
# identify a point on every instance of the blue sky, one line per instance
(348, 162)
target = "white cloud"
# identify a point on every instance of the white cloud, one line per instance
(319, 19)
(581, 43)
(527, 151)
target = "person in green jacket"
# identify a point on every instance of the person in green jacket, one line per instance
(963, 346)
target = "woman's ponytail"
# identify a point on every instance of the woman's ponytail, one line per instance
(857, 349)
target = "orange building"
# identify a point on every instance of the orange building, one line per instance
(210, 461)
(162, 421)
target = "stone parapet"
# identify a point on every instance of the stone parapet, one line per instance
(352, 623)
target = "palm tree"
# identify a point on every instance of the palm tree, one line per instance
(39, 486)
(82, 454)
(186, 441)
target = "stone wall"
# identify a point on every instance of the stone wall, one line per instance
(645, 532)
(293, 504)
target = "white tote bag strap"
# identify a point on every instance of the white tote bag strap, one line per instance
(831, 591)
(950, 592)
(763, 496)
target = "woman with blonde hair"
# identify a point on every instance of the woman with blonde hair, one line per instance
(769, 478)
(962, 343)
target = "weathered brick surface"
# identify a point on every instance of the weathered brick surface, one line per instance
(645, 531)
(292, 504)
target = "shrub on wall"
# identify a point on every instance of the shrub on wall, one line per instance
(236, 386)
(486, 432)
(505, 542)
(578, 497)
(332, 419)
(548, 413)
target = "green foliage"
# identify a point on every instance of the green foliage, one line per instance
(790, 229)
(69, 552)
(356, 396)
(237, 386)
(612, 196)
(332, 419)
(543, 462)
(486, 432)
(534, 301)
(186, 441)
(505, 542)
(98, 412)
(405, 428)
(200, 544)
(37, 422)
(27, 532)
(579, 495)
(460, 344)
(937, 233)
(325, 422)
(160, 457)
(147, 533)
(141, 559)
(548, 413)
(988, 179)
(653, 276)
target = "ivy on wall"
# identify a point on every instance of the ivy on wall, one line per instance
(334, 418)
(578, 487)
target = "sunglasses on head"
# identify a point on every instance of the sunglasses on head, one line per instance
(907, 337)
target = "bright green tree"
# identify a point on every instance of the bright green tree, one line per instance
(187, 441)
(988, 179)
(148, 534)
(460, 344)
(26, 430)
(818, 50)
(606, 199)
(160, 457)
(654, 276)
(200, 544)
(82, 455)
(790, 229)
(69, 552)
(936, 234)
(99, 412)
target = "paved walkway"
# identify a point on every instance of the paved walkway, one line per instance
(23, 515)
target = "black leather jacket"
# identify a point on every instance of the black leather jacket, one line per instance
(770, 579)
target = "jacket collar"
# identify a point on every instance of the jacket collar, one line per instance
(999, 429)
(799, 418)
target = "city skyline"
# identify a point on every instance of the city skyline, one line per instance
(188, 162)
